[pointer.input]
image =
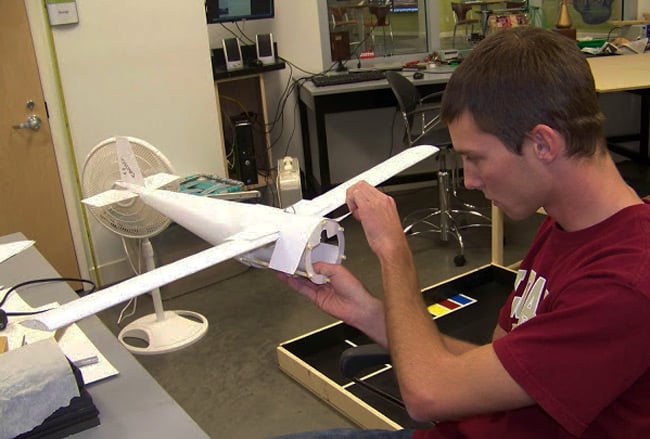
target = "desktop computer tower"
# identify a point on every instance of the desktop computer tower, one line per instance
(243, 153)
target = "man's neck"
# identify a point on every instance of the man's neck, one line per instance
(589, 192)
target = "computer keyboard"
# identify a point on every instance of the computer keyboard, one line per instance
(348, 78)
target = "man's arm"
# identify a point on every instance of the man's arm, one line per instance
(457, 346)
(437, 381)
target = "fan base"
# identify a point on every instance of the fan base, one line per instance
(170, 334)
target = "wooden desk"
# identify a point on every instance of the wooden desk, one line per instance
(629, 73)
(131, 404)
(621, 72)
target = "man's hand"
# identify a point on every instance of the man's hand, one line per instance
(379, 217)
(343, 297)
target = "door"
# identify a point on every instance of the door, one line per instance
(31, 196)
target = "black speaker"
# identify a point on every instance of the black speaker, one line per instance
(232, 52)
(264, 45)
(244, 151)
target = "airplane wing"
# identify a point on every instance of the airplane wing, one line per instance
(331, 200)
(107, 297)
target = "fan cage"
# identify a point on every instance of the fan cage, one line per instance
(132, 218)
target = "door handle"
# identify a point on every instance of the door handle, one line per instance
(33, 122)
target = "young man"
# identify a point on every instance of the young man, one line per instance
(570, 355)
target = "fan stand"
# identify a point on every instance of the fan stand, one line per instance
(164, 331)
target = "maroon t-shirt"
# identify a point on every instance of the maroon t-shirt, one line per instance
(578, 335)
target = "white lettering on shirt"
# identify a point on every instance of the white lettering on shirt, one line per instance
(524, 307)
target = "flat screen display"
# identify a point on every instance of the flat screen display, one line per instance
(222, 11)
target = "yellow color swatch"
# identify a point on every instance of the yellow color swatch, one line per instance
(438, 310)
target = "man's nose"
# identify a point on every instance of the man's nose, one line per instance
(470, 179)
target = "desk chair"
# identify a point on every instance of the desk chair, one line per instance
(460, 13)
(380, 19)
(422, 125)
(340, 19)
(531, 14)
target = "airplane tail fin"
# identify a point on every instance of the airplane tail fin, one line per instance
(129, 168)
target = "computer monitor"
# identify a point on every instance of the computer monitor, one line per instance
(221, 11)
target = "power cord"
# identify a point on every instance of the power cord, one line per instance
(4, 314)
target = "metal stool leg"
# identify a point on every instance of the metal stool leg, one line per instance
(425, 221)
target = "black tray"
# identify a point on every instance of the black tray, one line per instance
(321, 350)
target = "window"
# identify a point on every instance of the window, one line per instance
(380, 29)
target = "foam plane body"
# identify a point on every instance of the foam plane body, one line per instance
(289, 240)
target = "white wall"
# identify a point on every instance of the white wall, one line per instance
(140, 69)
(302, 32)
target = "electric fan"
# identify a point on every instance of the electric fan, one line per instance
(163, 331)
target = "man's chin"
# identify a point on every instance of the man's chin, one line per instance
(517, 214)
(513, 214)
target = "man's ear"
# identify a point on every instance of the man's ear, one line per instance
(547, 143)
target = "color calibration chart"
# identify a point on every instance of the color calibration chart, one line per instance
(449, 305)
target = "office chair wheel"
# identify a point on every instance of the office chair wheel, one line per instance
(459, 260)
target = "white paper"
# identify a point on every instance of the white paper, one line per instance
(13, 248)
(74, 343)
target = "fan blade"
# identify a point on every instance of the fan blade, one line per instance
(331, 200)
(100, 300)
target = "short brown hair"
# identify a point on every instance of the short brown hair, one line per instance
(518, 78)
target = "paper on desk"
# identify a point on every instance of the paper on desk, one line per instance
(13, 248)
(74, 343)
(36, 381)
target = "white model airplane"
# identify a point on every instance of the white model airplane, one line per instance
(288, 240)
